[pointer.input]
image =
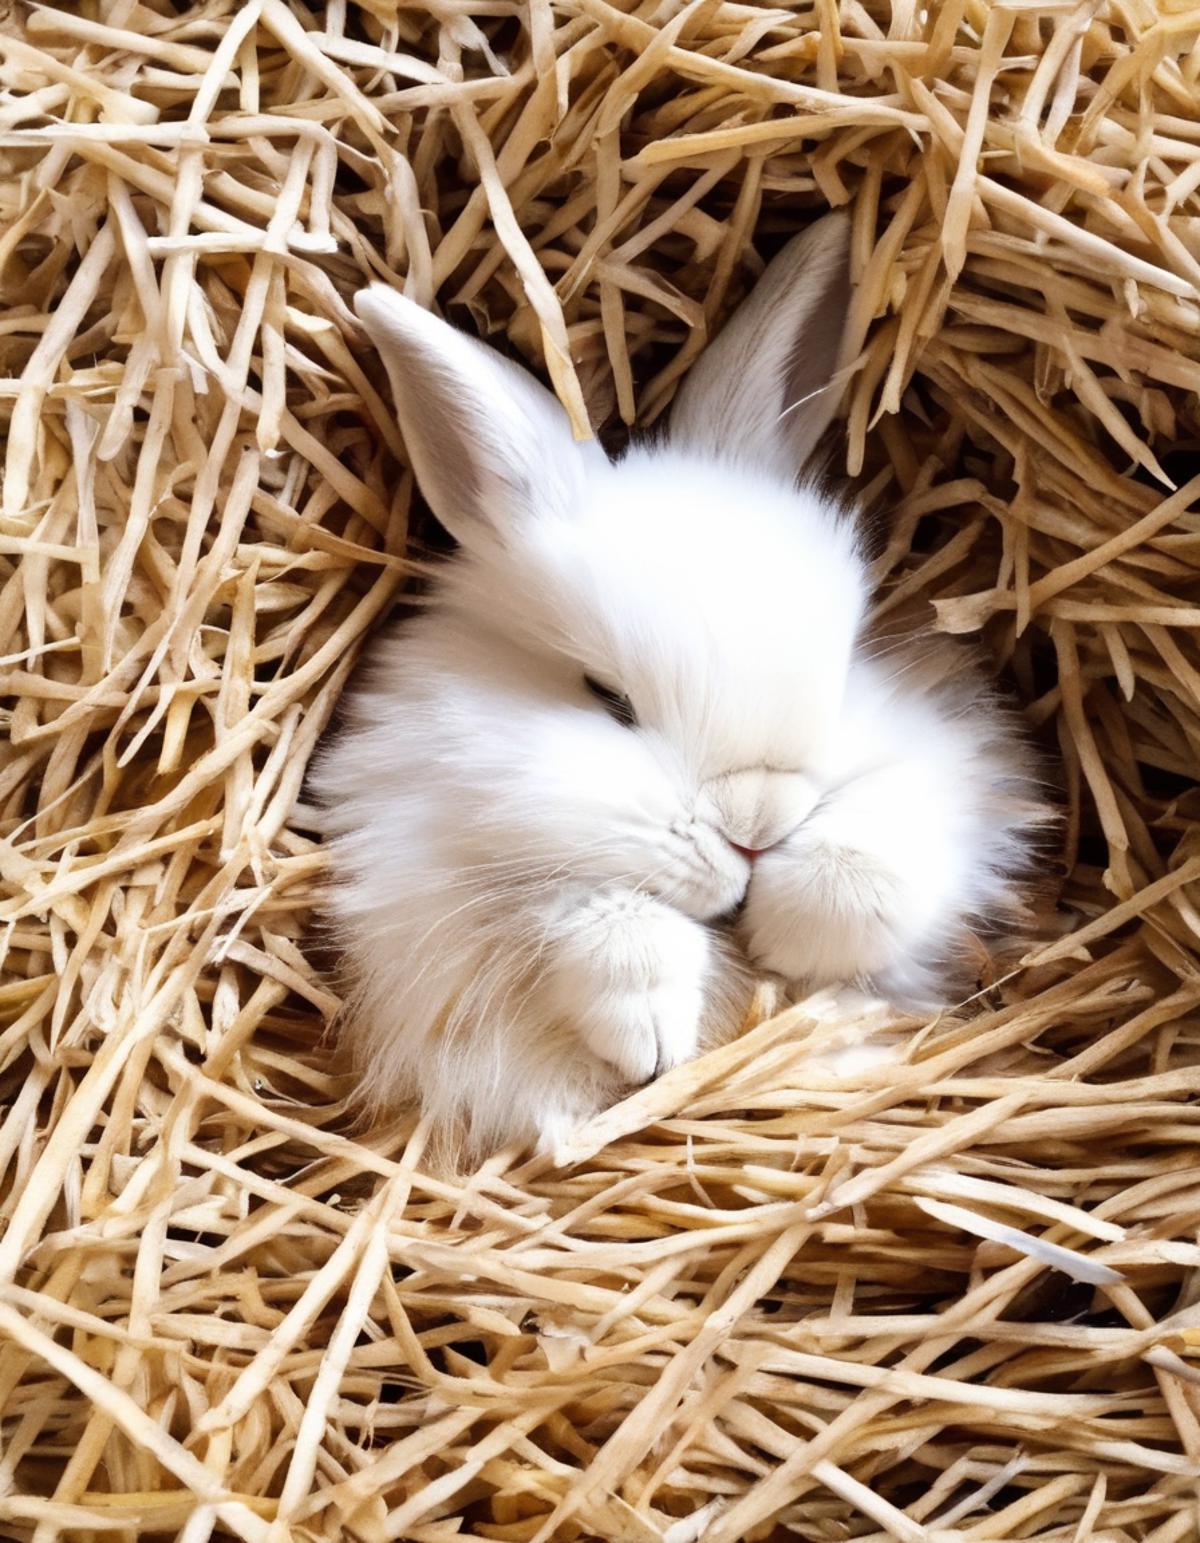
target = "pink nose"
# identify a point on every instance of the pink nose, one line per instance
(749, 853)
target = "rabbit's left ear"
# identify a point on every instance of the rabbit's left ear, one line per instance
(490, 446)
(764, 391)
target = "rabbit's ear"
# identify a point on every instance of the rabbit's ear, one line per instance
(765, 390)
(490, 446)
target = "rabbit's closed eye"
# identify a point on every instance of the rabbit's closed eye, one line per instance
(615, 703)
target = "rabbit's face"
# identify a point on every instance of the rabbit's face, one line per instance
(650, 656)
(661, 701)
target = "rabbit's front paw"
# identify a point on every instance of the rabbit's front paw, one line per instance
(867, 889)
(820, 913)
(628, 973)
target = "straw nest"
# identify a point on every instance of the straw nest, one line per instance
(951, 1298)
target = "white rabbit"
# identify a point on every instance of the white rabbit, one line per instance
(638, 706)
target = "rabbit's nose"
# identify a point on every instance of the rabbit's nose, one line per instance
(749, 853)
(757, 806)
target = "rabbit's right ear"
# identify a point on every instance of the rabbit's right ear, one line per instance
(765, 390)
(490, 446)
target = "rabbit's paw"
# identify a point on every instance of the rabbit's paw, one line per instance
(865, 890)
(628, 972)
(820, 912)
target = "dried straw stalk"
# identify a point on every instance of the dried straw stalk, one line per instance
(953, 1298)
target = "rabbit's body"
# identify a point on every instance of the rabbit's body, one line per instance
(637, 705)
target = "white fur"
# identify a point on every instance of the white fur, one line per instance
(529, 893)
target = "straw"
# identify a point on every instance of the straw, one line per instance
(941, 1292)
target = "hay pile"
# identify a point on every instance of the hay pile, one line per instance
(954, 1300)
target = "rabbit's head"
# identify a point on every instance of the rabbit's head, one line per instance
(660, 644)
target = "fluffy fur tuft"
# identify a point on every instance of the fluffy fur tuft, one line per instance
(635, 751)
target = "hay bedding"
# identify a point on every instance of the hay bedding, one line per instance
(954, 1299)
